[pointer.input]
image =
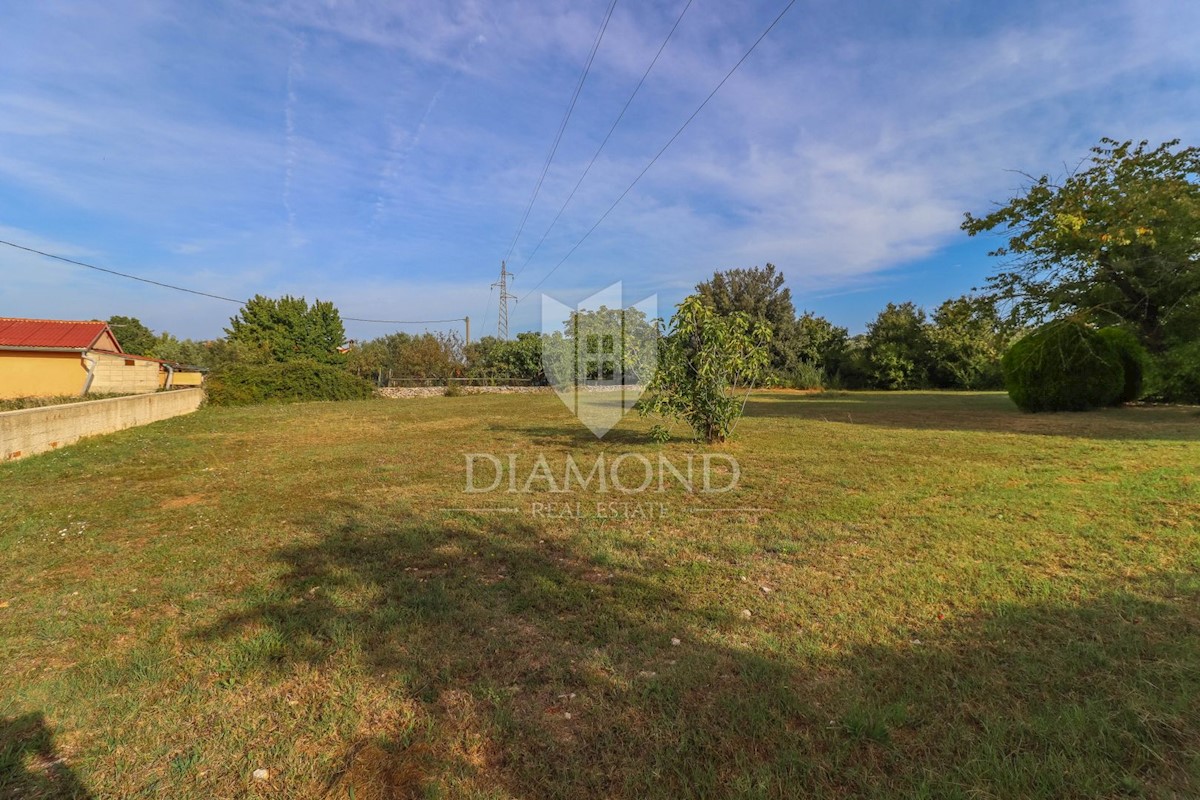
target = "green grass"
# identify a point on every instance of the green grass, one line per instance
(965, 602)
(21, 403)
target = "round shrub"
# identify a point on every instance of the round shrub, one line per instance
(1134, 360)
(1063, 366)
(293, 381)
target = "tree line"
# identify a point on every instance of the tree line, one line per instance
(1113, 243)
(958, 346)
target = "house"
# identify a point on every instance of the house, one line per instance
(48, 358)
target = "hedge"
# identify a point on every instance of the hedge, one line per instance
(293, 381)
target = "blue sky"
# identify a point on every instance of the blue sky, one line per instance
(380, 154)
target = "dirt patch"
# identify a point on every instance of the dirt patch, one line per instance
(180, 502)
(375, 774)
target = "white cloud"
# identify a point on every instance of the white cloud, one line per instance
(395, 145)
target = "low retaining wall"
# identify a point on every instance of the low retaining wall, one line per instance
(36, 430)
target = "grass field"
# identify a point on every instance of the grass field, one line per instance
(931, 596)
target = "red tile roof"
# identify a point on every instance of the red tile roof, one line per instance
(50, 333)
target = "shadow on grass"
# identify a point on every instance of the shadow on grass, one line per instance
(30, 766)
(570, 434)
(555, 424)
(539, 670)
(988, 412)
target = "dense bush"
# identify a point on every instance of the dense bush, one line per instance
(242, 384)
(1133, 362)
(494, 360)
(1178, 375)
(431, 357)
(805, 376)
(967, 337)
(1063, 366)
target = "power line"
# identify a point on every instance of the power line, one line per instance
(487, 310)
(562, 128)
(403, 321)
(121, 274)
(607, 136)
(206, 294)
(663, 149)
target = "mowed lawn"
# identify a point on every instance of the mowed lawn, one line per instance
(907, 595)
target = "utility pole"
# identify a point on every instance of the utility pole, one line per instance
(468, 321)
(502, 317)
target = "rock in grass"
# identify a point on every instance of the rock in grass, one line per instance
(262, 774)
(746, 613)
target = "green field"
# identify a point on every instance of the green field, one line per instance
(945, 598)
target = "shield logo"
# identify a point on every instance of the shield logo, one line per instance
(600, 355)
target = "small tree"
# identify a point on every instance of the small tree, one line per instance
(133, 336)
(367, 359)
(968, 337)
(819, 342)
(288, 329)
(492, 358)
(604, 345)
(427, 356)
(181, 351)
(703, 364)
(897, 348)
(760, 293)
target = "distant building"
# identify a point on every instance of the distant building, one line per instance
(48, 358)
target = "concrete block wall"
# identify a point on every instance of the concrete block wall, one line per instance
(115, 374)
(36, 430)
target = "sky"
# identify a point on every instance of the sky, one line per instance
(382, 155)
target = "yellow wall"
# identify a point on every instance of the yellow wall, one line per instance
(182, 378)
(50, 374)
(47, 374)
(189, 378)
